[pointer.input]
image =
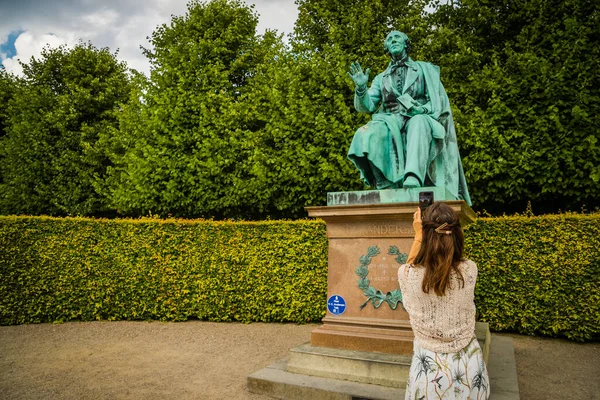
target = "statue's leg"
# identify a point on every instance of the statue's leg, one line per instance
(369, 150)
(418, 140)
(381, 182)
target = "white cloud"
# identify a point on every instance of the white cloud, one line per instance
(30, 44)
(101, 19)
(278, 14)
(116, 24)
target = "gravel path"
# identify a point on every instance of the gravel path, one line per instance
(203, 360)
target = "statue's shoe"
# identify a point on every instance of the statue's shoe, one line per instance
(411, 182)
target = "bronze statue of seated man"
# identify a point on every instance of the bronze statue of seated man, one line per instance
(411, 140)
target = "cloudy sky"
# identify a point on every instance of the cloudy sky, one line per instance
(27, 26)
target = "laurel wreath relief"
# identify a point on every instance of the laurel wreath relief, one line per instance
(377, 297)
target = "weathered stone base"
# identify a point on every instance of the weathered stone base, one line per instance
(365, 197)
(362, 334)
(354, 230)
(389, 370)
(274, 381)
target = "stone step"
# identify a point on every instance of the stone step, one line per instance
(357, 366)
(276, 382)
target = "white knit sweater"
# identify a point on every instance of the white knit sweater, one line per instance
(443, 324)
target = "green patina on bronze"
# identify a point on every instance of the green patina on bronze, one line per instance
(410, 141)
(377, 297)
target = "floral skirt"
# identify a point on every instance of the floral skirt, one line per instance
(461, 375)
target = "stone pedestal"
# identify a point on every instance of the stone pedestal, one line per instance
(363, 349)
(321, 373)
(377, 237)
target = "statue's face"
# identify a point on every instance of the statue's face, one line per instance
(395, 42)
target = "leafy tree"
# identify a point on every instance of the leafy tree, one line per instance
(236, 125)
(297, 113)
(304, 102)
(356, 27)
(524, 80)
(8, 86)
(184, 149)
(51, 157)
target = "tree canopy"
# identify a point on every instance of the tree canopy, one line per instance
(524, 78)
(186, 146)
(235, 124)
(8, 85)
(50, 154)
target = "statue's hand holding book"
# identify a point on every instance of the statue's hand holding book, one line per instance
(407, 101)
(412, 106)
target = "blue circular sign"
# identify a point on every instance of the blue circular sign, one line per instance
(336, 305)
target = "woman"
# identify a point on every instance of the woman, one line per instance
(437, 288)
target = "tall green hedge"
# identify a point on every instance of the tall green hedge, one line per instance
(537, 275)
(83, 269)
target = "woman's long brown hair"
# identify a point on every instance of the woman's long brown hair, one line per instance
(440, 253)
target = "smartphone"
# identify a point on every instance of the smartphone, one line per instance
(425, 200)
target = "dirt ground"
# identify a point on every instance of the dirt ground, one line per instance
(203, 360)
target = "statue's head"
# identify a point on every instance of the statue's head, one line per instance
(396, 43)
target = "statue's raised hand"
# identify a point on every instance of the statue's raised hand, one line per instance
(359, 77)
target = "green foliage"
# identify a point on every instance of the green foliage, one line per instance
(171, 270)
(8, 86)
(524, 81)
(186, 150)
(538, 275)
(50, 156)
(232, 124)
(357, 28)
(300, 109)
(257, 130)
